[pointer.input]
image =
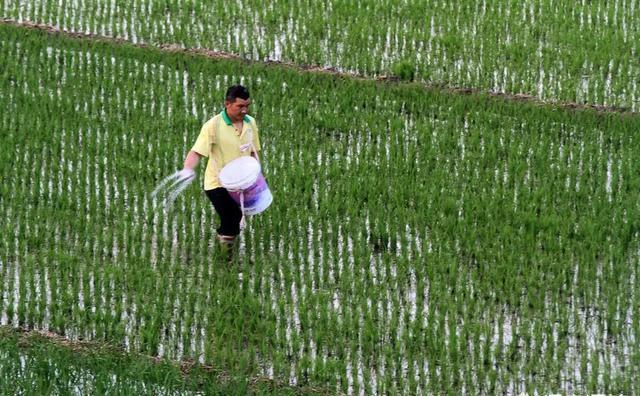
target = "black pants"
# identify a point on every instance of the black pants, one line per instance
(228, 209)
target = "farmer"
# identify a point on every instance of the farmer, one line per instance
(225, 137)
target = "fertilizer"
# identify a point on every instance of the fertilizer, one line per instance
(171, 186)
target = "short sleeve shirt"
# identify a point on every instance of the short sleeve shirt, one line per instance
(229, 144)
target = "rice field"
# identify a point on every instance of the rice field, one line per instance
(420, 242)
(571, 51)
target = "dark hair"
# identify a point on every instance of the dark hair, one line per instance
(237, 91)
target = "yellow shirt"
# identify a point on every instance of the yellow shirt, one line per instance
(228, 144)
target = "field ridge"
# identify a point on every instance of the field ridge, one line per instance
(177, 49)
(29, 338)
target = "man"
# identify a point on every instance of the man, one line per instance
(225, 137)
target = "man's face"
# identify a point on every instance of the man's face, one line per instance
(237, 109)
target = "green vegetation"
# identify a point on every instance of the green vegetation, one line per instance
(419, 241)
(32, 364)
(404, 70)
(576, 51)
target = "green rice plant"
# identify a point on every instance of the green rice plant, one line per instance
(404, 70)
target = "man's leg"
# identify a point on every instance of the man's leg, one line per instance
(230, 216)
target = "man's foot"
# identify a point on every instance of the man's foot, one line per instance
(227, 246)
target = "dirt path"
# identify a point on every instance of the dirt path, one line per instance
(31, 337)
(174, 48)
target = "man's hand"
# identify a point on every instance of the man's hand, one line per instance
(185, 174)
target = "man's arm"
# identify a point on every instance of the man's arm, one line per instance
(192, 160)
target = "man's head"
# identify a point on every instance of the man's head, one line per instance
(237, 102)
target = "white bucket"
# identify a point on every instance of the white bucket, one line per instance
(243, 178)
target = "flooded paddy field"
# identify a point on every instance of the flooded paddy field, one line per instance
(579, 51)
(419, 242)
